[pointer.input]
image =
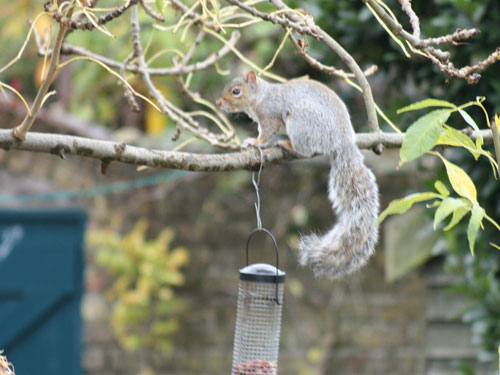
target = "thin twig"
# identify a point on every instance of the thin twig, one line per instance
(128, 93)
(152, 12)
(198, 18)
(197, 41)
(182, 119)
(91, 24)
(424, 46)
(301, 49)
(21, 130)
(226, 128)
(414, 21)
(176, 70)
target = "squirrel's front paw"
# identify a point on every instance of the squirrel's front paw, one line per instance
(250, 142)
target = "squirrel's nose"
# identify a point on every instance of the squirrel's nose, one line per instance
(219, 102)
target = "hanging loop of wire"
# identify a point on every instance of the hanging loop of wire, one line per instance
(256, 182)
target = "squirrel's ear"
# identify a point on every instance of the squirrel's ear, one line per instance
(251, 77)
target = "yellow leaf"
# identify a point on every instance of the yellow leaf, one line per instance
(43, 26)
(178, 258)
(155, 121)
(460, 181)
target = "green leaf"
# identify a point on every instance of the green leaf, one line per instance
(446, 207)
(477, 215)
(460, 181)
(441, 188)
(426, 103)
(469, 120)
(159, 6)
(458, 214)
(423, 134)
(453, 137)
(400, 206)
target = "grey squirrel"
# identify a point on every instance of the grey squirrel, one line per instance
(317, 122)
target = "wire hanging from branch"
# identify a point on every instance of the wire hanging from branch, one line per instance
(256, 183)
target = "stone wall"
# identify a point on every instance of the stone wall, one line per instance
(360, 325)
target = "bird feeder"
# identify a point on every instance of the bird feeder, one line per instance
(258, 317)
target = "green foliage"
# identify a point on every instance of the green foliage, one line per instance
(426, 104)
(479, 265)
(409, 80)
(456, 206)
(143, 291)
(423, 134)
(400, 206)
(431, 130)
(476, 217)
(421, 137)
(480, 273)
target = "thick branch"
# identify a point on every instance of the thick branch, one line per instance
(108, 151)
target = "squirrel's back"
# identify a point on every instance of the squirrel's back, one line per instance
(317, 122)
(320, 120)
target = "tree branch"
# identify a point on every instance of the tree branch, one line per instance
(176, 70)
(424, 46)
(21, 130)
(181, 118)
(108, 151)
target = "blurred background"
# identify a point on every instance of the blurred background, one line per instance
(136, 271)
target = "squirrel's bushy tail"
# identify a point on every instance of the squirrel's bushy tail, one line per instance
(348, 245)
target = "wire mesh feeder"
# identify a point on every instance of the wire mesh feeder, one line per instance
(258, 318)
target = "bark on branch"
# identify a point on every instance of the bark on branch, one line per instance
(107, 151)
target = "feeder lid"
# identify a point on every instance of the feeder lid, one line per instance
(261, 272)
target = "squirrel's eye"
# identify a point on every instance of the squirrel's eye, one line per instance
(236, 91)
